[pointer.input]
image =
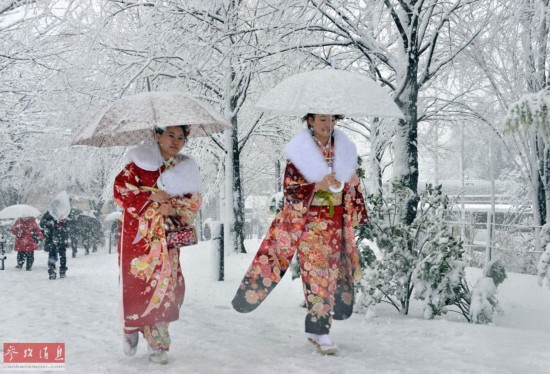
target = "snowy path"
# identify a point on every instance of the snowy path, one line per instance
(82, 312)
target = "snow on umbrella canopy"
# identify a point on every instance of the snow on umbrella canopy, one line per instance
(19, 211)
(131, 120)
(329, 91)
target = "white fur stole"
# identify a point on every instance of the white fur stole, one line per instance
(305, 154)
(184, 177)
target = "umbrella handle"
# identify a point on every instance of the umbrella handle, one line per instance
(332, 189)
(336, 190)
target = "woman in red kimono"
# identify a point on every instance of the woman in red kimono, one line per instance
(323, 203)
(160, 193)
(27, 236)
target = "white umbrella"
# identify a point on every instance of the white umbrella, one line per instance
(19, 211)
(131, 120)
(60, 207)
(329, 91)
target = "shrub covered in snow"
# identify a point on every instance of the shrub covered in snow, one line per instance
(484, 302)
(422, 260)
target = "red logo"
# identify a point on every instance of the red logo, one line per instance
(26, 356)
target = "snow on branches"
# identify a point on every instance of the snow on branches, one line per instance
(531, 110)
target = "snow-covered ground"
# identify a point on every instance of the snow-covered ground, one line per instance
(210, 337)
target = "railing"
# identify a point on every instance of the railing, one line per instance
(517, 244)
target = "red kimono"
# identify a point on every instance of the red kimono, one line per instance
(150, 273)
(323, 236)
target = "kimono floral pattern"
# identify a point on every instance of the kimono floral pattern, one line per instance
(328, 256)
(152, 280)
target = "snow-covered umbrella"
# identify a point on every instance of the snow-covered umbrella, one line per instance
(329, 91)
(131, 119)
(19, 211)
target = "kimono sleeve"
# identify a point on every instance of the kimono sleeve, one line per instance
(357, 207)
(297, 191)
(127, 193)
(187, 207)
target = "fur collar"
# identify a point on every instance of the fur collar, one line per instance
(184, 177)
(304, 153)
(146, 156)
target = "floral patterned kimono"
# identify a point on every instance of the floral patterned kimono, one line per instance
(320, 228)
(151, 278)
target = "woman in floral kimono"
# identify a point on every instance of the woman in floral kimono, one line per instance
(323, 203)
(160, 192)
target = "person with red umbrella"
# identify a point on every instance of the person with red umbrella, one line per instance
(27, 237)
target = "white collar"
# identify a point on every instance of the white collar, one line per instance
(184, 177)
(146, 156)
(305, 154)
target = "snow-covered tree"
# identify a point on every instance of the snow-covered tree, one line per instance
(501, 76)
(32, 47)
(529, 117)
(404, 45)
(543, 266)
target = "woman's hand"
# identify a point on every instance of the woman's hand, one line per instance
(327, 181)
(167, 210)
(354, 181)
(160, 197)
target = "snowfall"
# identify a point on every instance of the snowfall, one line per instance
(210, 337)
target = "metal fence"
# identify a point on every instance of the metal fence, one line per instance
(498, 231)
